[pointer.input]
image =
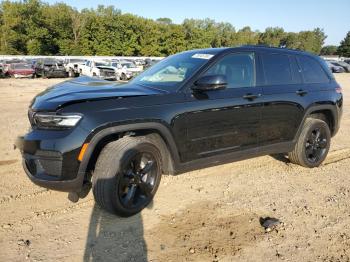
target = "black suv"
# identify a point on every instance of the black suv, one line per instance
(191, 110)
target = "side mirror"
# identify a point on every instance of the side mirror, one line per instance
(209, 83)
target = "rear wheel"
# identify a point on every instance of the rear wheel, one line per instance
(313, 144)
(127, 175)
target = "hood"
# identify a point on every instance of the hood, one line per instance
(86, 89)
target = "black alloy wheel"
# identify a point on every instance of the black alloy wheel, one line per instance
(127, 175)
(138, 180)
(312, 145)
(316, 145)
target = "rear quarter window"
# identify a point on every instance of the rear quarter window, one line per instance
(277, 69)
(311, 70)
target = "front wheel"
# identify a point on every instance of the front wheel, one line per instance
(312, 145)
(127, 175)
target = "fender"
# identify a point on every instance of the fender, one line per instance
(313, 108)
(97, 136)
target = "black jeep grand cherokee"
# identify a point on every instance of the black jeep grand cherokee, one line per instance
(191, 110)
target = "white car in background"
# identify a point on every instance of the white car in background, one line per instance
(130, 68)
(122, 73)
(72, 66)
(98, 69)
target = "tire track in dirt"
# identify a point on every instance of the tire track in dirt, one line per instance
(46, 214)
(336, 156)
(18, 197)
(8, 162)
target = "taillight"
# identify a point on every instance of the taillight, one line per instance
(338, 90)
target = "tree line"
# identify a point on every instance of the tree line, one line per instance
(342, 50)
(32, 27)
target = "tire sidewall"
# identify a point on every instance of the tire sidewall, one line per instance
(114, 175)
(316, 124)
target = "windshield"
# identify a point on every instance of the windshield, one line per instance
(129, 65)
(174, 70)
(114, 64)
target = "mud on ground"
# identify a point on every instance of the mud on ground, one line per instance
(206, 215)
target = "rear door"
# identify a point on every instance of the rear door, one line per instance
(284, 98)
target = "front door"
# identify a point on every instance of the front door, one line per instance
(224, 121)
(284, 98)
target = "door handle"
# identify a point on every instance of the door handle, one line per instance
(251, 96)
(301, 92)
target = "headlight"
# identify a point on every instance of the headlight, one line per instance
(42, 120)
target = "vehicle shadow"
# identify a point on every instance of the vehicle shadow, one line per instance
(111, 238)
(281, 157)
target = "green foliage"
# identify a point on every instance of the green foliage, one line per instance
(35, 27)
(273, 36)
(329, 50)
(344, 48)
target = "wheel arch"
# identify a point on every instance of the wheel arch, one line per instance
(326, 112)
(156, 131)
(325, 115)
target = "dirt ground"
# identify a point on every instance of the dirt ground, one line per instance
(207, 215)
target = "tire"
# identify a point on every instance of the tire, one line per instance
(312, 145)
(71, 73)
(117, 185)
(123, 77)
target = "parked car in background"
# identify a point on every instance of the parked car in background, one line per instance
(347, 61)
(48, 68)
(20, 70)
(344, 65)
(149, 62)
(335, 68)
(131, 68)
(6, 64)
(140, 62)
(122, 73)
(72, 66)
(2, 74)
(98, 69)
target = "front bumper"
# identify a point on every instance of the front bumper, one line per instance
(23, 75)
(51, 162)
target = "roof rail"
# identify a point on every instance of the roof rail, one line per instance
(274, 47)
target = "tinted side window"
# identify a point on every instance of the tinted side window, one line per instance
(312, 70)
(239, 69)
(277, 69)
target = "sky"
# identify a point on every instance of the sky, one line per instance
(294, 15)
